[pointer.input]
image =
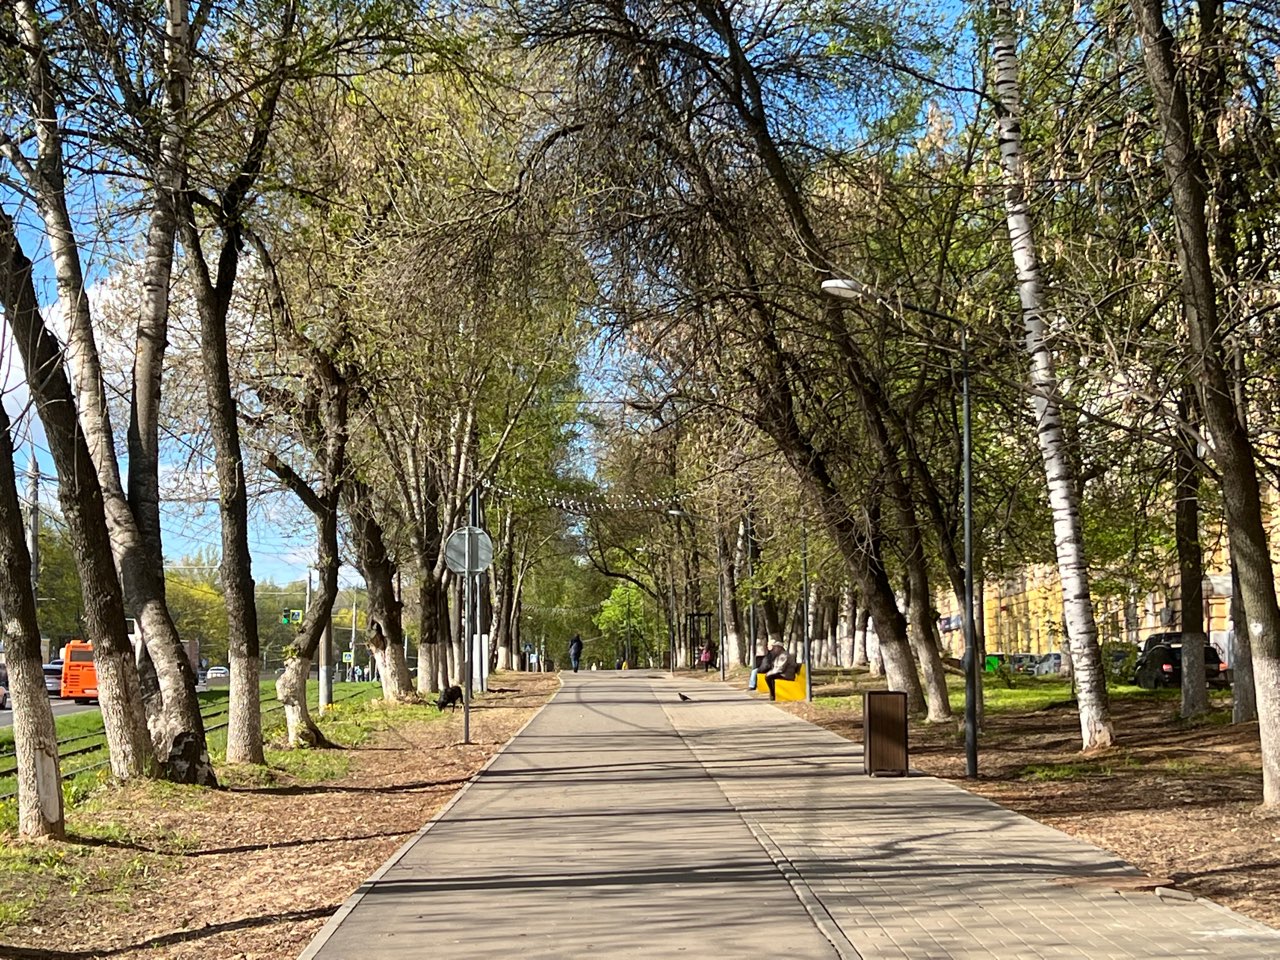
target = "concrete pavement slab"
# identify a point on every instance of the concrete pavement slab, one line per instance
(626, 822)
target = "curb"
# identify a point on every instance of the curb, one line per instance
(334, 922)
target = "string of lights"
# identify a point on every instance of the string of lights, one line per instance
(578, 504)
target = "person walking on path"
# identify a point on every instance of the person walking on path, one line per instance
(783, 665)
(575, 652)
(707, 656)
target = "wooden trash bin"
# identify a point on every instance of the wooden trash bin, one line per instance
(884, 733)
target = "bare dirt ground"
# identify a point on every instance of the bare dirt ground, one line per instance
(251, 872)
(1177, 800)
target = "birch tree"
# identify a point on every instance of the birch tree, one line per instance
(80, 496)
(34, 737)
(1091, 692)
(133, 516)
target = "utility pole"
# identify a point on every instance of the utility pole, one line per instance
(479, 656)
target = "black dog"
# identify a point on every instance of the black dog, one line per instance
(450, 697)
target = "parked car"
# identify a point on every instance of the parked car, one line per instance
(218, 673)
(53, 679)
(1050, 665)
(1160, 664)
(1023, 662)
(1158, 639)
(994, 662)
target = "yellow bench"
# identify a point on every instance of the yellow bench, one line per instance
(785, 689)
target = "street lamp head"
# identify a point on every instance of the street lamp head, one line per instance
(848, 289)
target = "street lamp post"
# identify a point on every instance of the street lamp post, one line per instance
(804, 587)
(856, 290)
(751, 606)
(724, 634)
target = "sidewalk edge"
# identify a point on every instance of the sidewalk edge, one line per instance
(331, 925)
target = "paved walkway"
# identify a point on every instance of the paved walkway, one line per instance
(624, 822)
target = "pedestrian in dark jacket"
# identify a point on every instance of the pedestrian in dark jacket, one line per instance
(575, 651)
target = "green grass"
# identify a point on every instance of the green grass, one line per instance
(13, 912)
(1008, 693)
(31, 873)
(1077, 769)
(213, 706)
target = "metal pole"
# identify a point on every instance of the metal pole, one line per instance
(970, 631)
(751, 609)
(466, 639)
(804, 624)
(671, 621)
(724, 634)
(480, 656)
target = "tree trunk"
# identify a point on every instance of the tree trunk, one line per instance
(730, 612)
(846, 641)
(1244, 703)
(859, 656)
(244, 730)
(834, 655)
(920, 610)
(291, 685)
(176, 726)
(503, 585)
(432, 664)
(291, 691)
(34, 737)
(1195, 689)
(1091, 691)
(385, 608)
(80, 497)
(1232, 449)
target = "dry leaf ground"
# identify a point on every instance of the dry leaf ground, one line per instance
(250, 872)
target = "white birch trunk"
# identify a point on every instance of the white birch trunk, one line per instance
(35, 741)
(860, 657)
(1091, 691)
(291, 690)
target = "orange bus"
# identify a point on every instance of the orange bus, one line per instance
(79, 678)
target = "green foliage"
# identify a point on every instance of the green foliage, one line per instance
(59, 603)
(196, 602)
(626, 622)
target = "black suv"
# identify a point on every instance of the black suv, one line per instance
(1160, 664)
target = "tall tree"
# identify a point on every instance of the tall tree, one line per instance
(133, 516)
(1232, 449)
(80, 497)
(1064, 490)
(35, 739)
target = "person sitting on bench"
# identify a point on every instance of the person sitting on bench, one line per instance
(783, 665)
(762, 663)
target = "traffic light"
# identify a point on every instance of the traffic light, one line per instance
(284, 617)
